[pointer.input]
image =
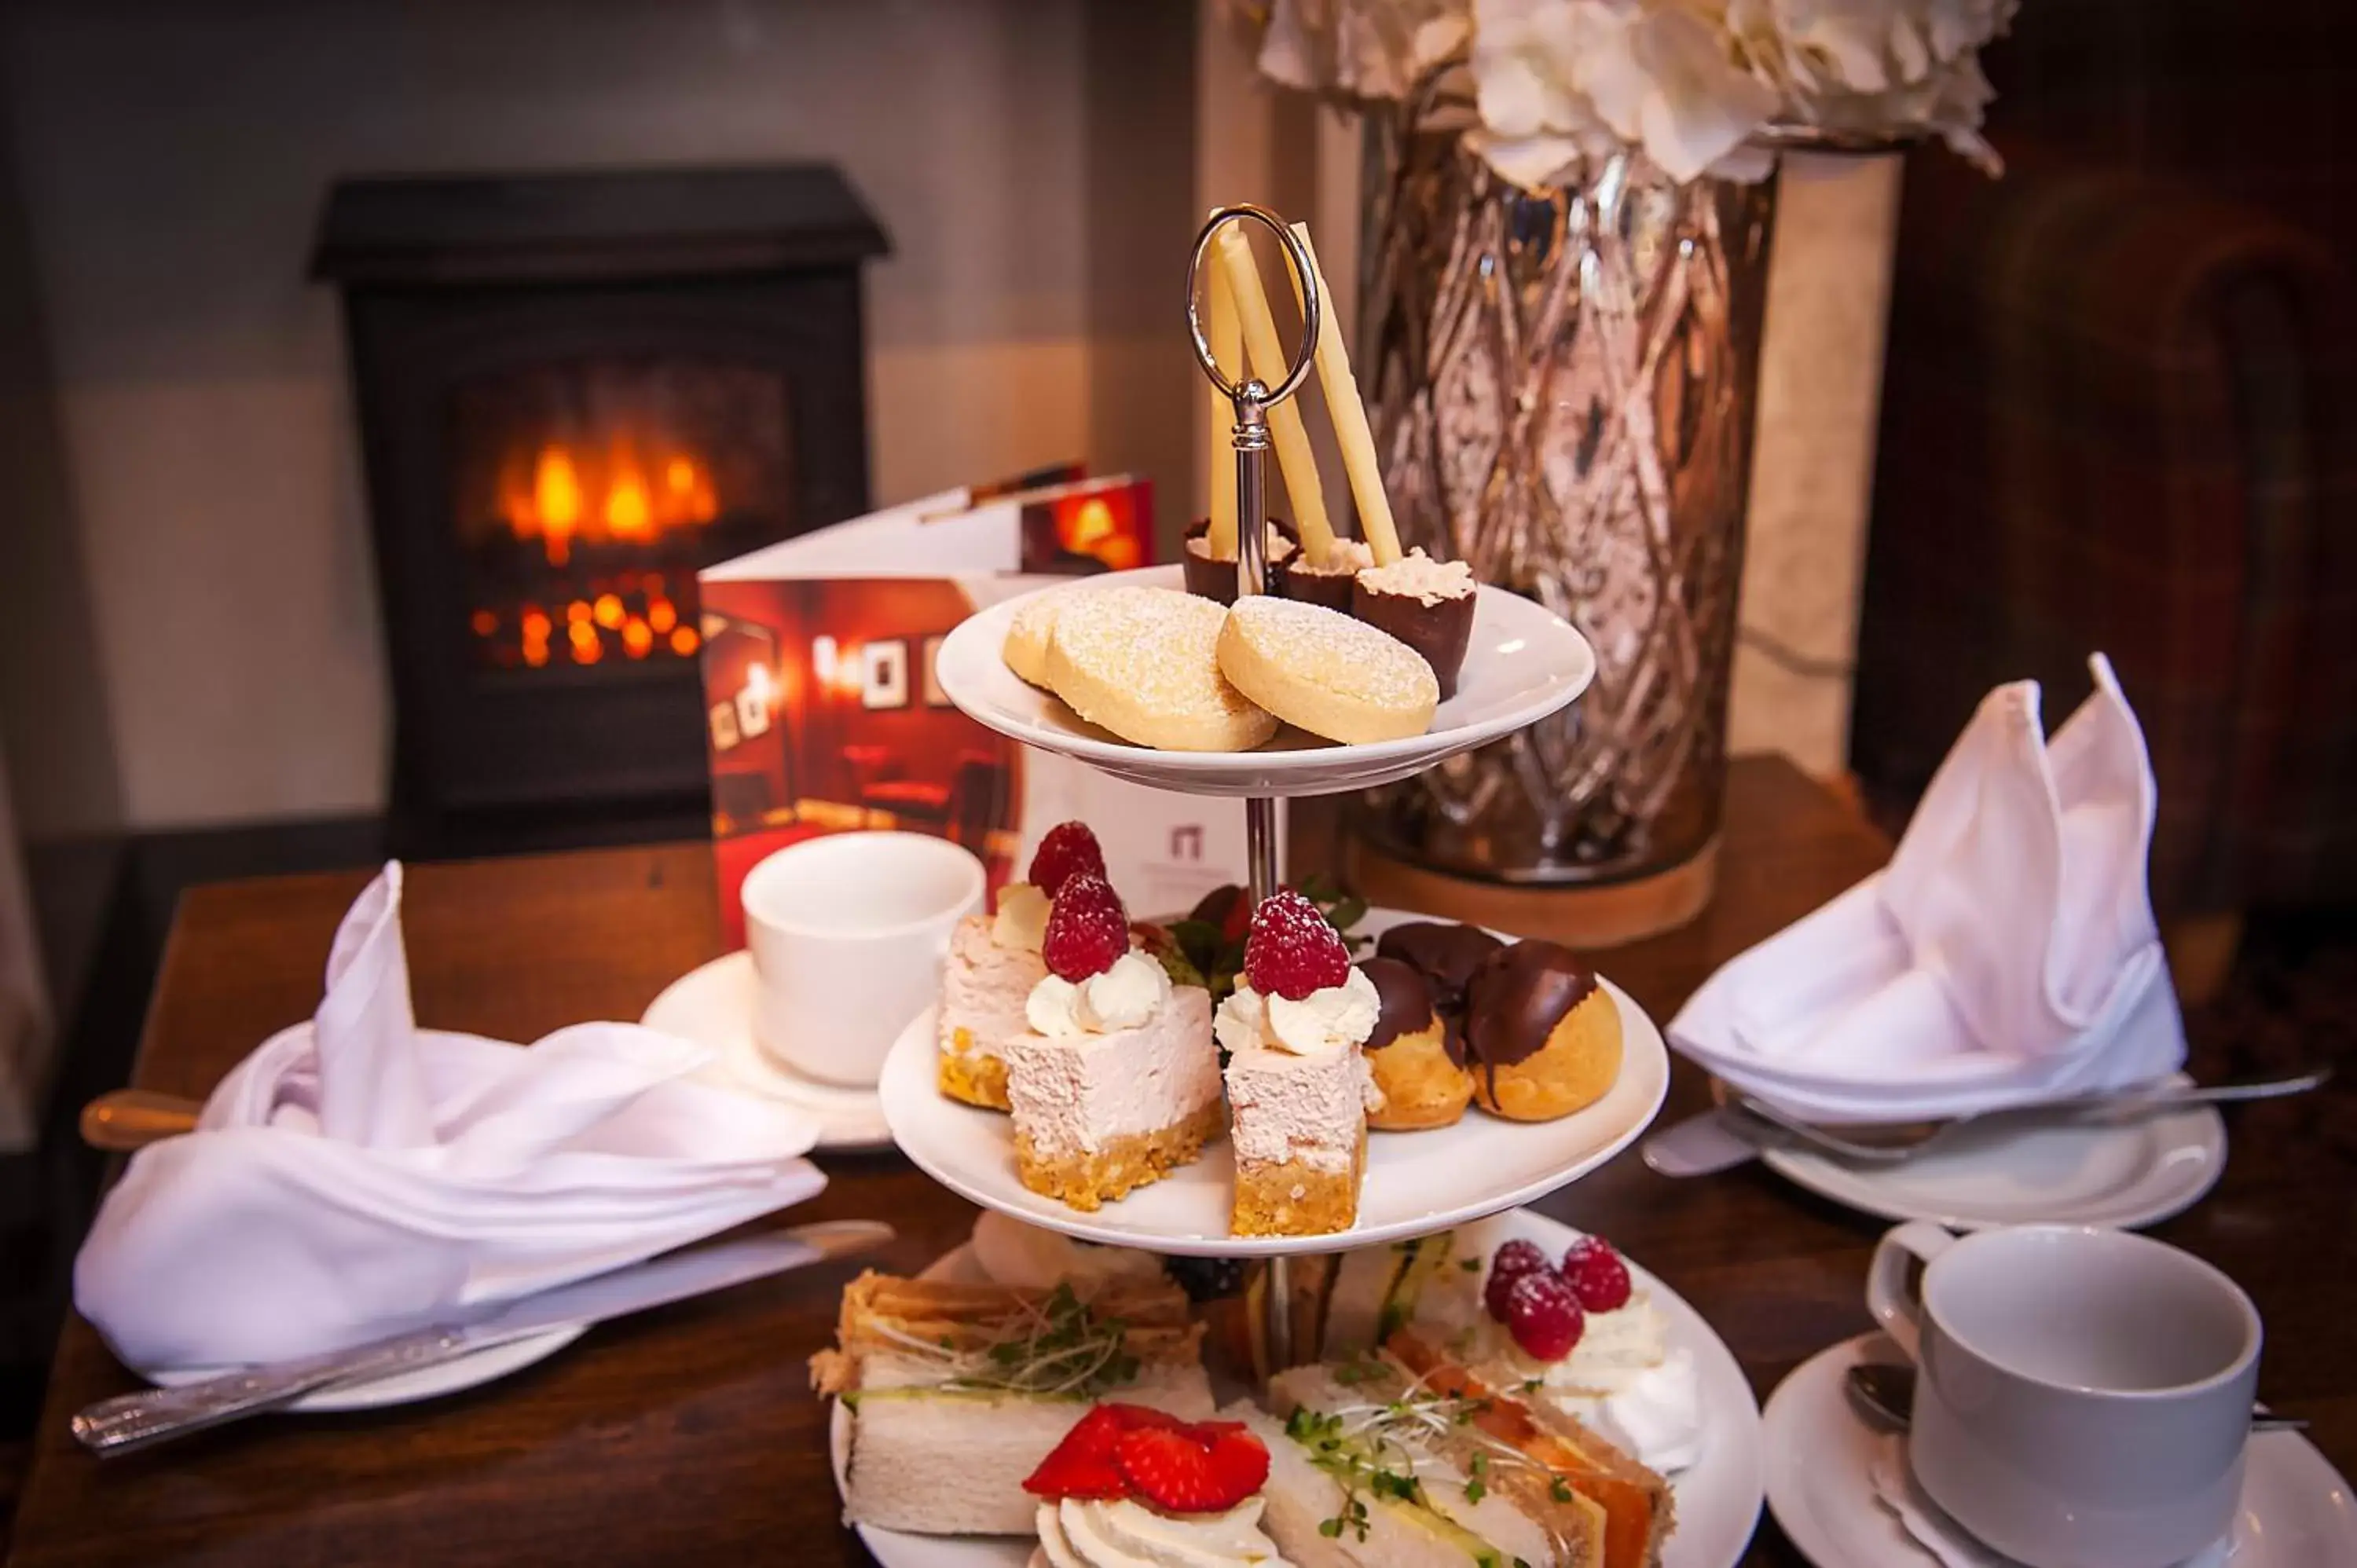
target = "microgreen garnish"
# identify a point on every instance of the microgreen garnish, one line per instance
(1058, 1348)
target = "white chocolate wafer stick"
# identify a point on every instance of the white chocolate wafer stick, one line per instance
(1226, 337)
(1269, 362)
(1350, 414)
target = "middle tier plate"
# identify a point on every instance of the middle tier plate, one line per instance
(1524, 663)
(1416, 1182)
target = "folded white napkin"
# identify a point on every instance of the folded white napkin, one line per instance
(357, 1176)
(2006, 954)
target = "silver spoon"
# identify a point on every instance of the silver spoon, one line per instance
(1886, 1391)
(1893, 1142)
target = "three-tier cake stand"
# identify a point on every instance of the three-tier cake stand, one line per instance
(1524, 663)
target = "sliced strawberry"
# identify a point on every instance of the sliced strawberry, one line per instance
(1206, 1469)
(1083, 1465)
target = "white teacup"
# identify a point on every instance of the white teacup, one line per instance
(848, 932)
(2082, 1396)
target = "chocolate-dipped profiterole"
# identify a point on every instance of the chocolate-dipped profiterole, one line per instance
(1208, 577)
(1442, 952)
(1419, 1063)
(1542, 1036)
(1426, 603)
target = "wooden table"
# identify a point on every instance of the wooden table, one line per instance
(690, 1433)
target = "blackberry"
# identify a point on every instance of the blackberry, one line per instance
(1207, 1279)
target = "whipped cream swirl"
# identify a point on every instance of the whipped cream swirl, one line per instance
(1086, 1533)
(1021, 923)
(1123, 997)
(1332, 1019)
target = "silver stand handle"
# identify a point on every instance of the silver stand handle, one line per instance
(1252, 399)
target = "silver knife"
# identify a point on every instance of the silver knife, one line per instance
(1715, 1140)
(132, 1422)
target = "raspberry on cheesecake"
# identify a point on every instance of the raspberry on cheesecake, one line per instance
(1115, 1083)
(994, 962)
(1298, 1085)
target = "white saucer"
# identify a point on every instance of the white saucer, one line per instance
(1416, 1182)
(2126, 1176)
(713, 1005)
(1718, 1497)
(1524, 663)
(2297, 1511)
(484, 1365)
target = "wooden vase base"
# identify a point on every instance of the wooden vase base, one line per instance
(1599, 916)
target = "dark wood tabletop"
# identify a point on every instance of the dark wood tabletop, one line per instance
(691, 1434)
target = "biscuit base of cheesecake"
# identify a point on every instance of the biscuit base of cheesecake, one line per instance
(1292, 1198)
(1572, 1072)
(1085, 1180)
(974, 1077)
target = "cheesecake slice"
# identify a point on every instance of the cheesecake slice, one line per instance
(1099, 1114)
(994, 961)
(1298, 1084)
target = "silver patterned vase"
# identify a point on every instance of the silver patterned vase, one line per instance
(1562, 394)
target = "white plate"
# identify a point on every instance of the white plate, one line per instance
(1718, 1498)
(1416, 1182)
(406, 1388)
(713, 1005)
(2136, 1175)
(1524, 663)
(2296, 1511)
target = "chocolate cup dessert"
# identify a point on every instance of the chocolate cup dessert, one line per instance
(1207, 578)
(1426, 603)
(1334, 585)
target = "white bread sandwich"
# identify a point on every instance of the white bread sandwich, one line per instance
(1377, 1469)
(956, 1392)
(1634, 1503)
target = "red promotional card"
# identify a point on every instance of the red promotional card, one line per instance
(823, 715)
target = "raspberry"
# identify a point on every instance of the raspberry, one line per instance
(1596, 1274)
(1292, 950)
(1068, 849)
(1511, 1262)
(1083, 1465)
(1207, 1468)
(1087, 929)
(1226, 906)
(1544, 1315)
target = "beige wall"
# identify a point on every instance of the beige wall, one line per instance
(171, 158)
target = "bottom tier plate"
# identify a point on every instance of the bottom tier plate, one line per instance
(1718, 1497)
(1416, 1182)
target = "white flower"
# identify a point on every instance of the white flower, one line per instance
(1600, 75)
(1366, 48)
(1560, 86)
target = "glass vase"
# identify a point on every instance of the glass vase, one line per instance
(1562, 387)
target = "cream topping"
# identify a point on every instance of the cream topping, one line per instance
(1123, 997)
(1021, 923)
(1332, 1019)
(1079, 1533)
(1418, 576)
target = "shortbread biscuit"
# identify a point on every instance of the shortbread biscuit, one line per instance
(1025, 648)
(1322, 672)
(1144, 664)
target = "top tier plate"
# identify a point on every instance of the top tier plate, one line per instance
(1524, 663)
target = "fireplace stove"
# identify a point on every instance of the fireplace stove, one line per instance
(573, 391)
